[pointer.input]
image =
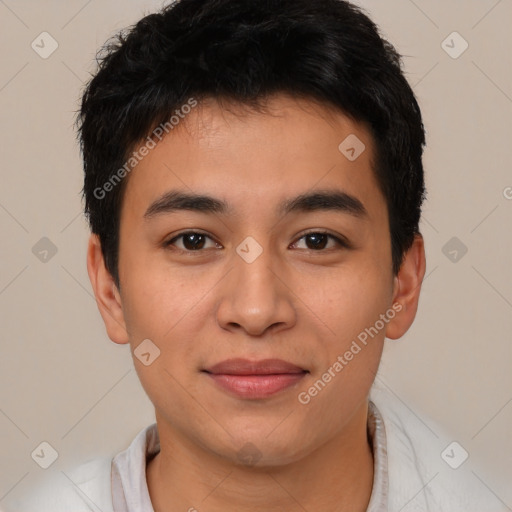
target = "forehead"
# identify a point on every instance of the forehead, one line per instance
(283, 150)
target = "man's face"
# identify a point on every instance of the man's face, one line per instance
(263, 278)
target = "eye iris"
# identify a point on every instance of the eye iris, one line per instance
(319, 241)
(193, 241)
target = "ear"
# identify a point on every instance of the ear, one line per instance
(107, 295)
(406, 290)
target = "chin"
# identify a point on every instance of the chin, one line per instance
(259, 451)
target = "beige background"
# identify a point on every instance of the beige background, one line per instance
(63, 381)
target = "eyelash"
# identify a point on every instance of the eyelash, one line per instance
(339, 240)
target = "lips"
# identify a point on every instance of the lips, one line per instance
(246, 367)
(255, 379)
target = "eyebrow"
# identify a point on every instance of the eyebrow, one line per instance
(320, 200)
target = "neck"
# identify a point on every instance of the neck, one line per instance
(336, 477)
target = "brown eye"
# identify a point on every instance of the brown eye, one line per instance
(318, 241)
(191, 241)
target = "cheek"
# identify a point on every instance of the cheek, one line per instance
(351, 305)
(169, 313)
(353, 301)
(170, 309)
(157, 297)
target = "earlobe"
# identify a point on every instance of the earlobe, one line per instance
(407, 289)
(107, 295)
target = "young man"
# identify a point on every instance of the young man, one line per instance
(254, 182)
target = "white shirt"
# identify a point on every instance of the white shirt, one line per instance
(409, 473)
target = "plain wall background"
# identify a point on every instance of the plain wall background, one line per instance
(63, 381)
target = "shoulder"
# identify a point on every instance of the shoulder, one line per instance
(88, 486)
(428, 469)
(84, 488)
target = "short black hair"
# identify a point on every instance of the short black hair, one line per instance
(246, 51)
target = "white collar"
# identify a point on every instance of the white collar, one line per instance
(129, 485)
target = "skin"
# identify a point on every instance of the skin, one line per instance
(294, 302)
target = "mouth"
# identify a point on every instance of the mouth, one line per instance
(255, 379)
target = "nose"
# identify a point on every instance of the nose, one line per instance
(257, 297)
